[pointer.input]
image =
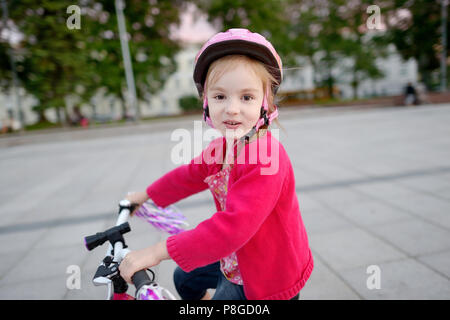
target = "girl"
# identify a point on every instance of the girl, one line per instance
(255, 246)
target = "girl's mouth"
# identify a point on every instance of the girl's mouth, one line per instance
(232, 124)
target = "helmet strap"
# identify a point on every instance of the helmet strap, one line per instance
(206, 112)
(246, 138)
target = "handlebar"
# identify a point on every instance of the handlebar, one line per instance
(113, 235)
(108, 271)
(140, 279)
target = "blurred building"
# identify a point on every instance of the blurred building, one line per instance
(178, 85)
(397, 73)
(104, 107)
(298, 78)
(9, 114)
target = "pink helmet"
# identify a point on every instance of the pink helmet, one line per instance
(238, 41)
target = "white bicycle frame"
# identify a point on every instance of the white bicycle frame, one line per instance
(119, 254)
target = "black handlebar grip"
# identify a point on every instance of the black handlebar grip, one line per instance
(92, 242)
(140, 279)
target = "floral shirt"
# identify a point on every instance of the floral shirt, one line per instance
(218, 184)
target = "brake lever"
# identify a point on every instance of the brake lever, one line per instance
(104, 275)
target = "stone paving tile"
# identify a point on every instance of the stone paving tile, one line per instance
(69, 235)
(50, 263)
(304, 176)
(19, 241)
(332, 172)
(384, 189)
(318, 221)
(324, 284)
(371, 213)
(55, 190)
(414, 236)
(445, 176)
(339, 198)
(404, 279)
(426, 183)
(438, 261)
(308, 203)
(352, 247)
(49, 288)
(9, 260)
(374, 167)
(430, 208)
(25, 203)
(365, 184)
(443, 193)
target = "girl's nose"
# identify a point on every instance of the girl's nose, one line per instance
(232, 107)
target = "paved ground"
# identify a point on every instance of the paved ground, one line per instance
(373, 187)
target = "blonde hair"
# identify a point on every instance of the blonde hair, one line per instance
(226, 63)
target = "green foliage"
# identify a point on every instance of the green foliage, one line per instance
(263, 16)
(362, 46)
(5, 67)
(323, 31)
(414, 27)
(152, 52)
(48, 61)
(54, 61)
(190, 103)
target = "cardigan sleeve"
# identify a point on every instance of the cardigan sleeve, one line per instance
(250, 200)
(187, 179)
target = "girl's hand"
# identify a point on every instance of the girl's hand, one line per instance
(142, 259)
(137, 198)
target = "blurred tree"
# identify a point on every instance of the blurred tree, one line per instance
(330, 32)
(190, 103)
(360, 44)
(55, 61)
(48, 60)
(324, 31)
(152, 51)
(263, 16)
(414, 27)
(5, 67)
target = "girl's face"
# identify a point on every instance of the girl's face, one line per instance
(235, 101)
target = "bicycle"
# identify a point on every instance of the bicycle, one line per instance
(108, 271)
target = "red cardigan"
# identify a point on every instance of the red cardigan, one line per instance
(262, 221)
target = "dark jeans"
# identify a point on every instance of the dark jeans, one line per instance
(193, 285)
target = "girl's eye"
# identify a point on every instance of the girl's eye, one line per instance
(247, 97)
(219, 97)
